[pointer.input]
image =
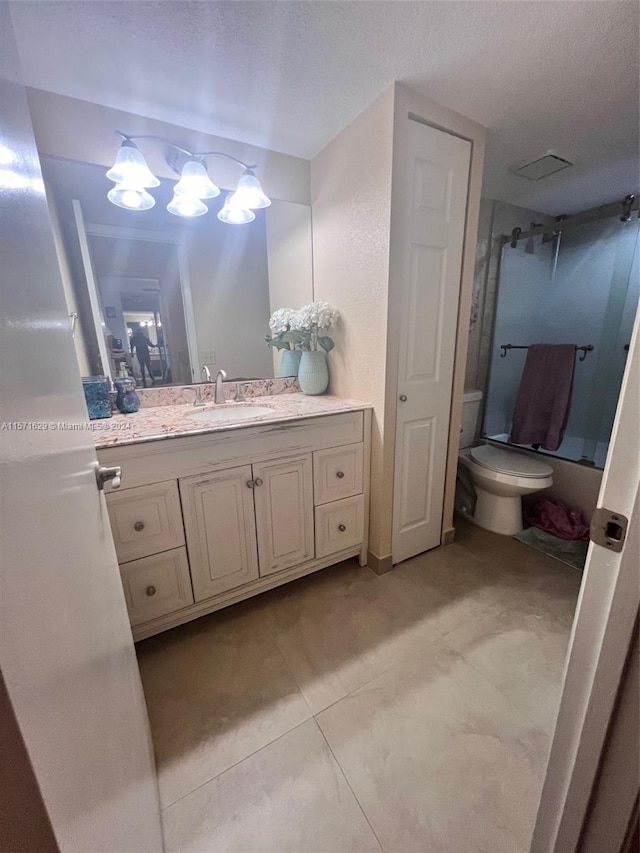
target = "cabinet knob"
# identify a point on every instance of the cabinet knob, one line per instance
(342, 528)
(251, 484)
(139, 525)
(258, 481)
(340, 474)
(151, 590)
(403, 398)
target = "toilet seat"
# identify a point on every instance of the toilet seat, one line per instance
(510, 462)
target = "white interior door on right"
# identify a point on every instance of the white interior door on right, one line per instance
(436, 178)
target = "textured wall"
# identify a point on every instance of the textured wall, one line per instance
(351, 202)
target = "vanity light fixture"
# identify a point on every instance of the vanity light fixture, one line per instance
(133, 177)
(186, 205)
(249, 195)
(233, 214)
(130, 198)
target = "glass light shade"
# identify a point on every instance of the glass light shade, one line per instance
(249, 195)
(187, 206)
(130, 168)
(233, 214)
(195, 182)
(131, 199)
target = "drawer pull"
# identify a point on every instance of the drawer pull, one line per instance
(342, 528)
(258, 481)
(340, 474)
(139, 525)
(151, 590)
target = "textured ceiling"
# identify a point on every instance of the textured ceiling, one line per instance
(290, 75)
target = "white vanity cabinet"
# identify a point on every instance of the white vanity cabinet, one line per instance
(201, 522)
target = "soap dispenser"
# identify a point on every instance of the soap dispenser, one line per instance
(127, 399)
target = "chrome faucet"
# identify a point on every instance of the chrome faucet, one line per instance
(197, 400)
(207, 373)
(219, 396)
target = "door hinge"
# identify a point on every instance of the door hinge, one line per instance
(608, 528)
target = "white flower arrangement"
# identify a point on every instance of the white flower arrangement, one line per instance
(315, 317)
(281, 320)
(291, 329)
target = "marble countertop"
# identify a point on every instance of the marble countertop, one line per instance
(162, 422)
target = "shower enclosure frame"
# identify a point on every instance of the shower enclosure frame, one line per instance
(626, 208)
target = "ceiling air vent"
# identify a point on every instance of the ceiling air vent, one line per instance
(541, 166)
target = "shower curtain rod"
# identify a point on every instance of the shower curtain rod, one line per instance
(562, 222)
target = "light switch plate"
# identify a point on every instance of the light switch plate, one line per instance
(208, 356)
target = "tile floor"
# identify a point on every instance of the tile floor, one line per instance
(345, 712)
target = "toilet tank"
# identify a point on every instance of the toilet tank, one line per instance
(470, 411)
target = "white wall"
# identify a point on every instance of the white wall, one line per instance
(353, 201)
(351, 204)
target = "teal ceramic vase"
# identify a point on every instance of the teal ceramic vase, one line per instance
(313, 375)
(290, 362)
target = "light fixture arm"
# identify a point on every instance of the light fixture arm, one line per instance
(199, 155)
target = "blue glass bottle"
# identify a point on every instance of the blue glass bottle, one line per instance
(96, 394)
(127, 399)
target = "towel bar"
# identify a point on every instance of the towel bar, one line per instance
(585, 349)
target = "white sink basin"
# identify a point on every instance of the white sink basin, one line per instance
(230, 414)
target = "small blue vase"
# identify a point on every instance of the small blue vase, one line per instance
(290, 362)
(313, 375)
(127, 399)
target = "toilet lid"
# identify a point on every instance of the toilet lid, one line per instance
(509, 462)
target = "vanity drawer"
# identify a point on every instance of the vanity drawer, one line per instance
(156, 585)
(337, 473)
(339, 525)
(145, 520)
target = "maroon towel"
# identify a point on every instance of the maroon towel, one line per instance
(544, 397)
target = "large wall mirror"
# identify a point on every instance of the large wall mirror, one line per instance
(165, 296)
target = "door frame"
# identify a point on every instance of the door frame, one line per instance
(601, 639)
(95, 229)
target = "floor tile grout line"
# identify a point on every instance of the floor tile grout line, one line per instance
(236, 763)
(410, 655)
(346, 779)
(293, 675)
(486, 678)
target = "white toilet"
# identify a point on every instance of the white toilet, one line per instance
(500, 475)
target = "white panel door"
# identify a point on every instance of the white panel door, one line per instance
(220, 528)
(284, 512)
(436, 178)
(66, 653)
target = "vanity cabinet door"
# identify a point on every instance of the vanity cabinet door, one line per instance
(220, 529)
(283, 493)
